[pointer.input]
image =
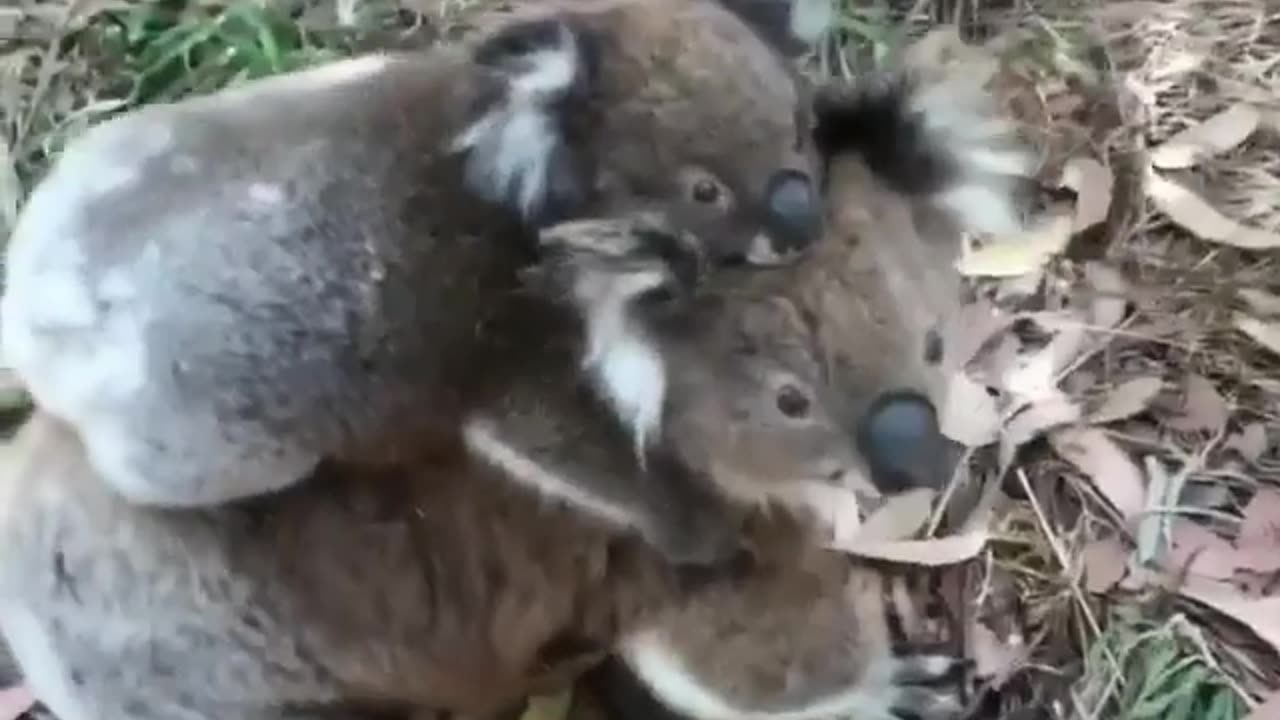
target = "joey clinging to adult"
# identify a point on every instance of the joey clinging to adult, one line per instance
(681, 402)
(218, 293)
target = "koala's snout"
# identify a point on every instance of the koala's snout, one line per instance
(793, 212)
(901, 440)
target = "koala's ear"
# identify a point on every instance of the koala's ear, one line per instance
(791, 26)
(615, 262)
(521, 151)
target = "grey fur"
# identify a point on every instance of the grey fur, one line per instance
(364, 595)
(221, 292)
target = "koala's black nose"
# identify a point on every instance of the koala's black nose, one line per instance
(793, 211)
(902, 443)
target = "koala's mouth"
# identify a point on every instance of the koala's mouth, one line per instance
(764, 251)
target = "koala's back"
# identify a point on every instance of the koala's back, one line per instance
(250, 270)
(397, 591)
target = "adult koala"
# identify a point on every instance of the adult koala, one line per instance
(220, 292)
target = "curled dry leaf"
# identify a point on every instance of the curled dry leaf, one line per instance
(1197, 550)
(1203, 409)
(968, 414)
(1105, 563)
(835, 510)
(1033, 421)
(1214, 136)
(1092, 183)
(1020, 254)
(1035, 375)
(1107, 465)
(15, 702)
(1250, 442)
(1261, 523)
(900, 517)
(1266, 334)
(1126, 400)
(968, 329)
(934, 552)
(1197, 216)
(1260, 301)
(1261, 615)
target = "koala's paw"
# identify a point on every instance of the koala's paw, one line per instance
(923, 687)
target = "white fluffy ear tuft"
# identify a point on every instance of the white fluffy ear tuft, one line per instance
(516, 153)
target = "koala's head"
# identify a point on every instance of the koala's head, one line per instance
(725, 375)
(692, 108)
(747, 397)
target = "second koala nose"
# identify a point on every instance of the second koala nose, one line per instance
(793, 214)
(901, 441)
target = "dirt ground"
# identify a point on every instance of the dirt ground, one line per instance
(1119, 384)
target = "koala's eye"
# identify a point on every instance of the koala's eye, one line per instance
(792, 402)
(706, 191)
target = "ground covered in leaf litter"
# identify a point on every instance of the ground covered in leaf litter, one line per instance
(1115, 374)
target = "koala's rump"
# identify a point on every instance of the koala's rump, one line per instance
(444, 592)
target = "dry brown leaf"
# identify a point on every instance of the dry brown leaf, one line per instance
(1261, 523)
(1250, 442)
(1214, 136)
(968, 414)
(1199, 551)
(968, 329)
(1115, 475)
(1261, 301)
(1252, 559)
(1266, 334)
(900, 517)
(1197, 216)
(1126, 400)
(1105, 563)
(1261, 615)
(1092, 183)
(15, 702)
(836, 510)
(935, 552)
(1033, 421)
(992, 657)
(1268, 710)
(1020, 254)
(1203, 409)
(1110, 289)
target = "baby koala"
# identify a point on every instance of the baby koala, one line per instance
(677, 402)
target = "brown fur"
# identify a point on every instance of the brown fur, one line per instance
(300, 267)
(353, 596)
(729, 365)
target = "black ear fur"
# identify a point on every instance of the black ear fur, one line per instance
(790, 26)
(873, 118)
(526, 150)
